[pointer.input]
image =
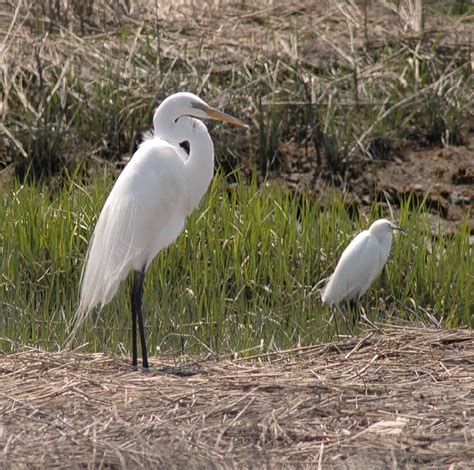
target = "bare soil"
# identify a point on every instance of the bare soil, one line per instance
(441, 177)
(399, 398)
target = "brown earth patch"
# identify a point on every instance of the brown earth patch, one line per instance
(444, 177)
(441, 177)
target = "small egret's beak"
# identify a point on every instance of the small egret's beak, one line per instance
(220, 116)
(395, 228)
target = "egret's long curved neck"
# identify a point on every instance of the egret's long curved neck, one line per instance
(164, 122)
(200, 162)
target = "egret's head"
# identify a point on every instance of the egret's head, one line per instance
(187, 104)
(383, 227)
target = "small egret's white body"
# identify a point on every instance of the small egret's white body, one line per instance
(147, 208)
(360, 264)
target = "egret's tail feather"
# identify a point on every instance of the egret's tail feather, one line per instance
(111, 255)
(78, 320)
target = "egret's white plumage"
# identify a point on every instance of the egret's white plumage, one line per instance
(147, 208)
(145, 211)
(360, 263)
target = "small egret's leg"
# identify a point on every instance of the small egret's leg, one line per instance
(334, 317)
(354, 305)
(134, 325)
(346, 318)
(138, 292)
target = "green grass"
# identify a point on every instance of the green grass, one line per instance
(240, 278)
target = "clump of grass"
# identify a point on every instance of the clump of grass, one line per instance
(242, 277)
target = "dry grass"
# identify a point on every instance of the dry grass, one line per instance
(400, 398)
(328, 78)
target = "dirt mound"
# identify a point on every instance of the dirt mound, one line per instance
(444, 178)
(441, 178)
(398, 398)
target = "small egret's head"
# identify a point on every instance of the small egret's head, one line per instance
(383, 227)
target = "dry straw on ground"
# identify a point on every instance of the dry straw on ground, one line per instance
(67, 64)
(403, 398)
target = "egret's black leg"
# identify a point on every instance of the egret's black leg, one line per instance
(354, 310)
(137, 292)
(134, 325)
(334, 317)
(353, 304)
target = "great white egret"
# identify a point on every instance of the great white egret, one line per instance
(360, 263)
(147, 208)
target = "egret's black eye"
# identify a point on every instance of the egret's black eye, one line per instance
(185, 146)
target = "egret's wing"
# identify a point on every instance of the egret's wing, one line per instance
(354, 271)
(142, 214)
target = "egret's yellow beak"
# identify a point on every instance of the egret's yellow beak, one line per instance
(220, 116)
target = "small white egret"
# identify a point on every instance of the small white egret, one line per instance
(147, 208)
(360, 264)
